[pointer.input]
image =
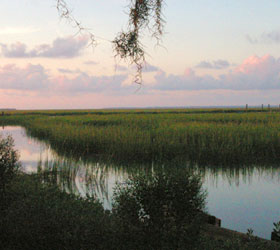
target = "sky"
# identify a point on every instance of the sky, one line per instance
(213, 53)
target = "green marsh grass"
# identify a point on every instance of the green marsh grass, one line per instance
(206, 137)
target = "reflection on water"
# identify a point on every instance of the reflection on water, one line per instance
(243, 197)
(82, 178)
(239, 175)
(31, 150)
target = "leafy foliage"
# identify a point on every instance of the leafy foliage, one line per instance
(8, 162)
(276, 232)
(161, 211)
(40, 216)
(236, 243)
(277, 228)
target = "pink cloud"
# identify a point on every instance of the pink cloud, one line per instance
(254, 73)
(254, 81)
(84, 83)
(38, 79)
(31, 77)
(189, 72)
(255, 64)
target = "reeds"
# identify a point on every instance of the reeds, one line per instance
(222, 138)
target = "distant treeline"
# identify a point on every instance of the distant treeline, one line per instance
(140, 111)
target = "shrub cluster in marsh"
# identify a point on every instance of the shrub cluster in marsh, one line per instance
(164, 210)
(9, 165)
(205, 138)
(40, 216)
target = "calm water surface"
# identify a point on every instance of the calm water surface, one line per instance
(243, 198)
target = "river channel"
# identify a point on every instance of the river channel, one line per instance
(245, 197)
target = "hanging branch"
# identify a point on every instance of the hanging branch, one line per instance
(127, 44)
(65, 13)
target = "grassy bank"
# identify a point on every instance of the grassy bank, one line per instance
(209, 137)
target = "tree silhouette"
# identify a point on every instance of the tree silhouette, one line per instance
(143, 14)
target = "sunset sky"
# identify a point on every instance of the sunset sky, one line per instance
(224, 52)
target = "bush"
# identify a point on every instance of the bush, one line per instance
(275, 235)
(236, 243)
(41, 216)
(8, 162)
(160, 211)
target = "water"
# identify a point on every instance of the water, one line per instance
(242, 198)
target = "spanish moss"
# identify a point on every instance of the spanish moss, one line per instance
(127, 45)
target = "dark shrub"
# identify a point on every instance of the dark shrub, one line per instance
(8, 161)
(275, 235)
(41, 216)
(160, 211)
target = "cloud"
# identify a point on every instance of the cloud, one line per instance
(273, 36)
(31, 77)
(147, 68)
(67, 47)
(256, 80)
(84, 83)
(68, 71)
(219, 64)
(255, 73)
(150, 68)
(187, 81)
(265, 37)
(251, 40)
(38, 79)
(121, 68)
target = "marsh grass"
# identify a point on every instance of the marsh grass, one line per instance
(205, 137)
